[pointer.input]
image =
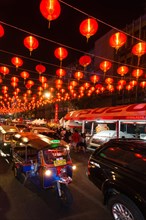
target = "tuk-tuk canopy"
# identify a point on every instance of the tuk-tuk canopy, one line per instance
(36, 141)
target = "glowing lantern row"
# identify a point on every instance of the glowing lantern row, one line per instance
(1, 31)
(78, 75)
(16, 61)
(40, 68)
(85, 61)
(117, 40)
(50, 9)
(61, 53)
(88, 27)
(31, 43)
(105, 66)
(60, 72)
(24, 75)
(122, 70)
(4, 70)
(139, 49)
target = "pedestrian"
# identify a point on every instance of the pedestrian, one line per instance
(81, 145)
(75, 138)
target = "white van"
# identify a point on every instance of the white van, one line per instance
(103, 136)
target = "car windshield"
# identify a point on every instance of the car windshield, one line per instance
(57, 156)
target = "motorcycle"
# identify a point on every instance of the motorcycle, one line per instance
(48, 165)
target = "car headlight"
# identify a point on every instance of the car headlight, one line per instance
(74, 167)
(48, 173)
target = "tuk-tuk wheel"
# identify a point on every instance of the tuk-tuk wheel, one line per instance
(66, 198)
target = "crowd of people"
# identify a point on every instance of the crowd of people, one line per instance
(76, 139)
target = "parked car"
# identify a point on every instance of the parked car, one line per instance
(43, 130)
(103, 136)
(118, 169)
(6, 134)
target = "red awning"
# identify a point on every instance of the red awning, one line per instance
(122, 112)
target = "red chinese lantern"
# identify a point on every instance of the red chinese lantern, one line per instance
(98, 86)
(14, 84)
(105, 66)
(16, 61)
(117, 40)
(139, 49)
(110, 87)
(133, 83)
(143, 84)
(60, 72)
(45, 85)
(61, 53)
(94, 78)
(129, 87)
(31, 43)
(86, 85)
(122, 82)
(73, 83)
(1, 80)
(40, 88)
(42, 79)
(24, 75)
(78, 75)
(1, 31)
(50, 9)
(109, 80)
(17, 90)
(4, 70)
(14, 79)
(40, 68)
(58, 81)
(85, 61)
(122, 70)
(88, 27)
(137, 73)
(5, 88)
(119, 87)
(29, 84)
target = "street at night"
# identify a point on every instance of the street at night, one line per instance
(19, 202)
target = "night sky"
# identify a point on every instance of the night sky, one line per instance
(19, 18)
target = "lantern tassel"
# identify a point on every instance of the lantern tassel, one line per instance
(49, 24)
(138, 60)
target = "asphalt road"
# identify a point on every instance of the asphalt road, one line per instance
(19, 202)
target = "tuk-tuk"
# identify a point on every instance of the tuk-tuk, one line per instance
(46, 164)
(6, 136)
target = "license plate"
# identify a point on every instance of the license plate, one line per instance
(59, 162)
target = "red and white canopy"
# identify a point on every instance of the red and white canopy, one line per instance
(123, 112)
